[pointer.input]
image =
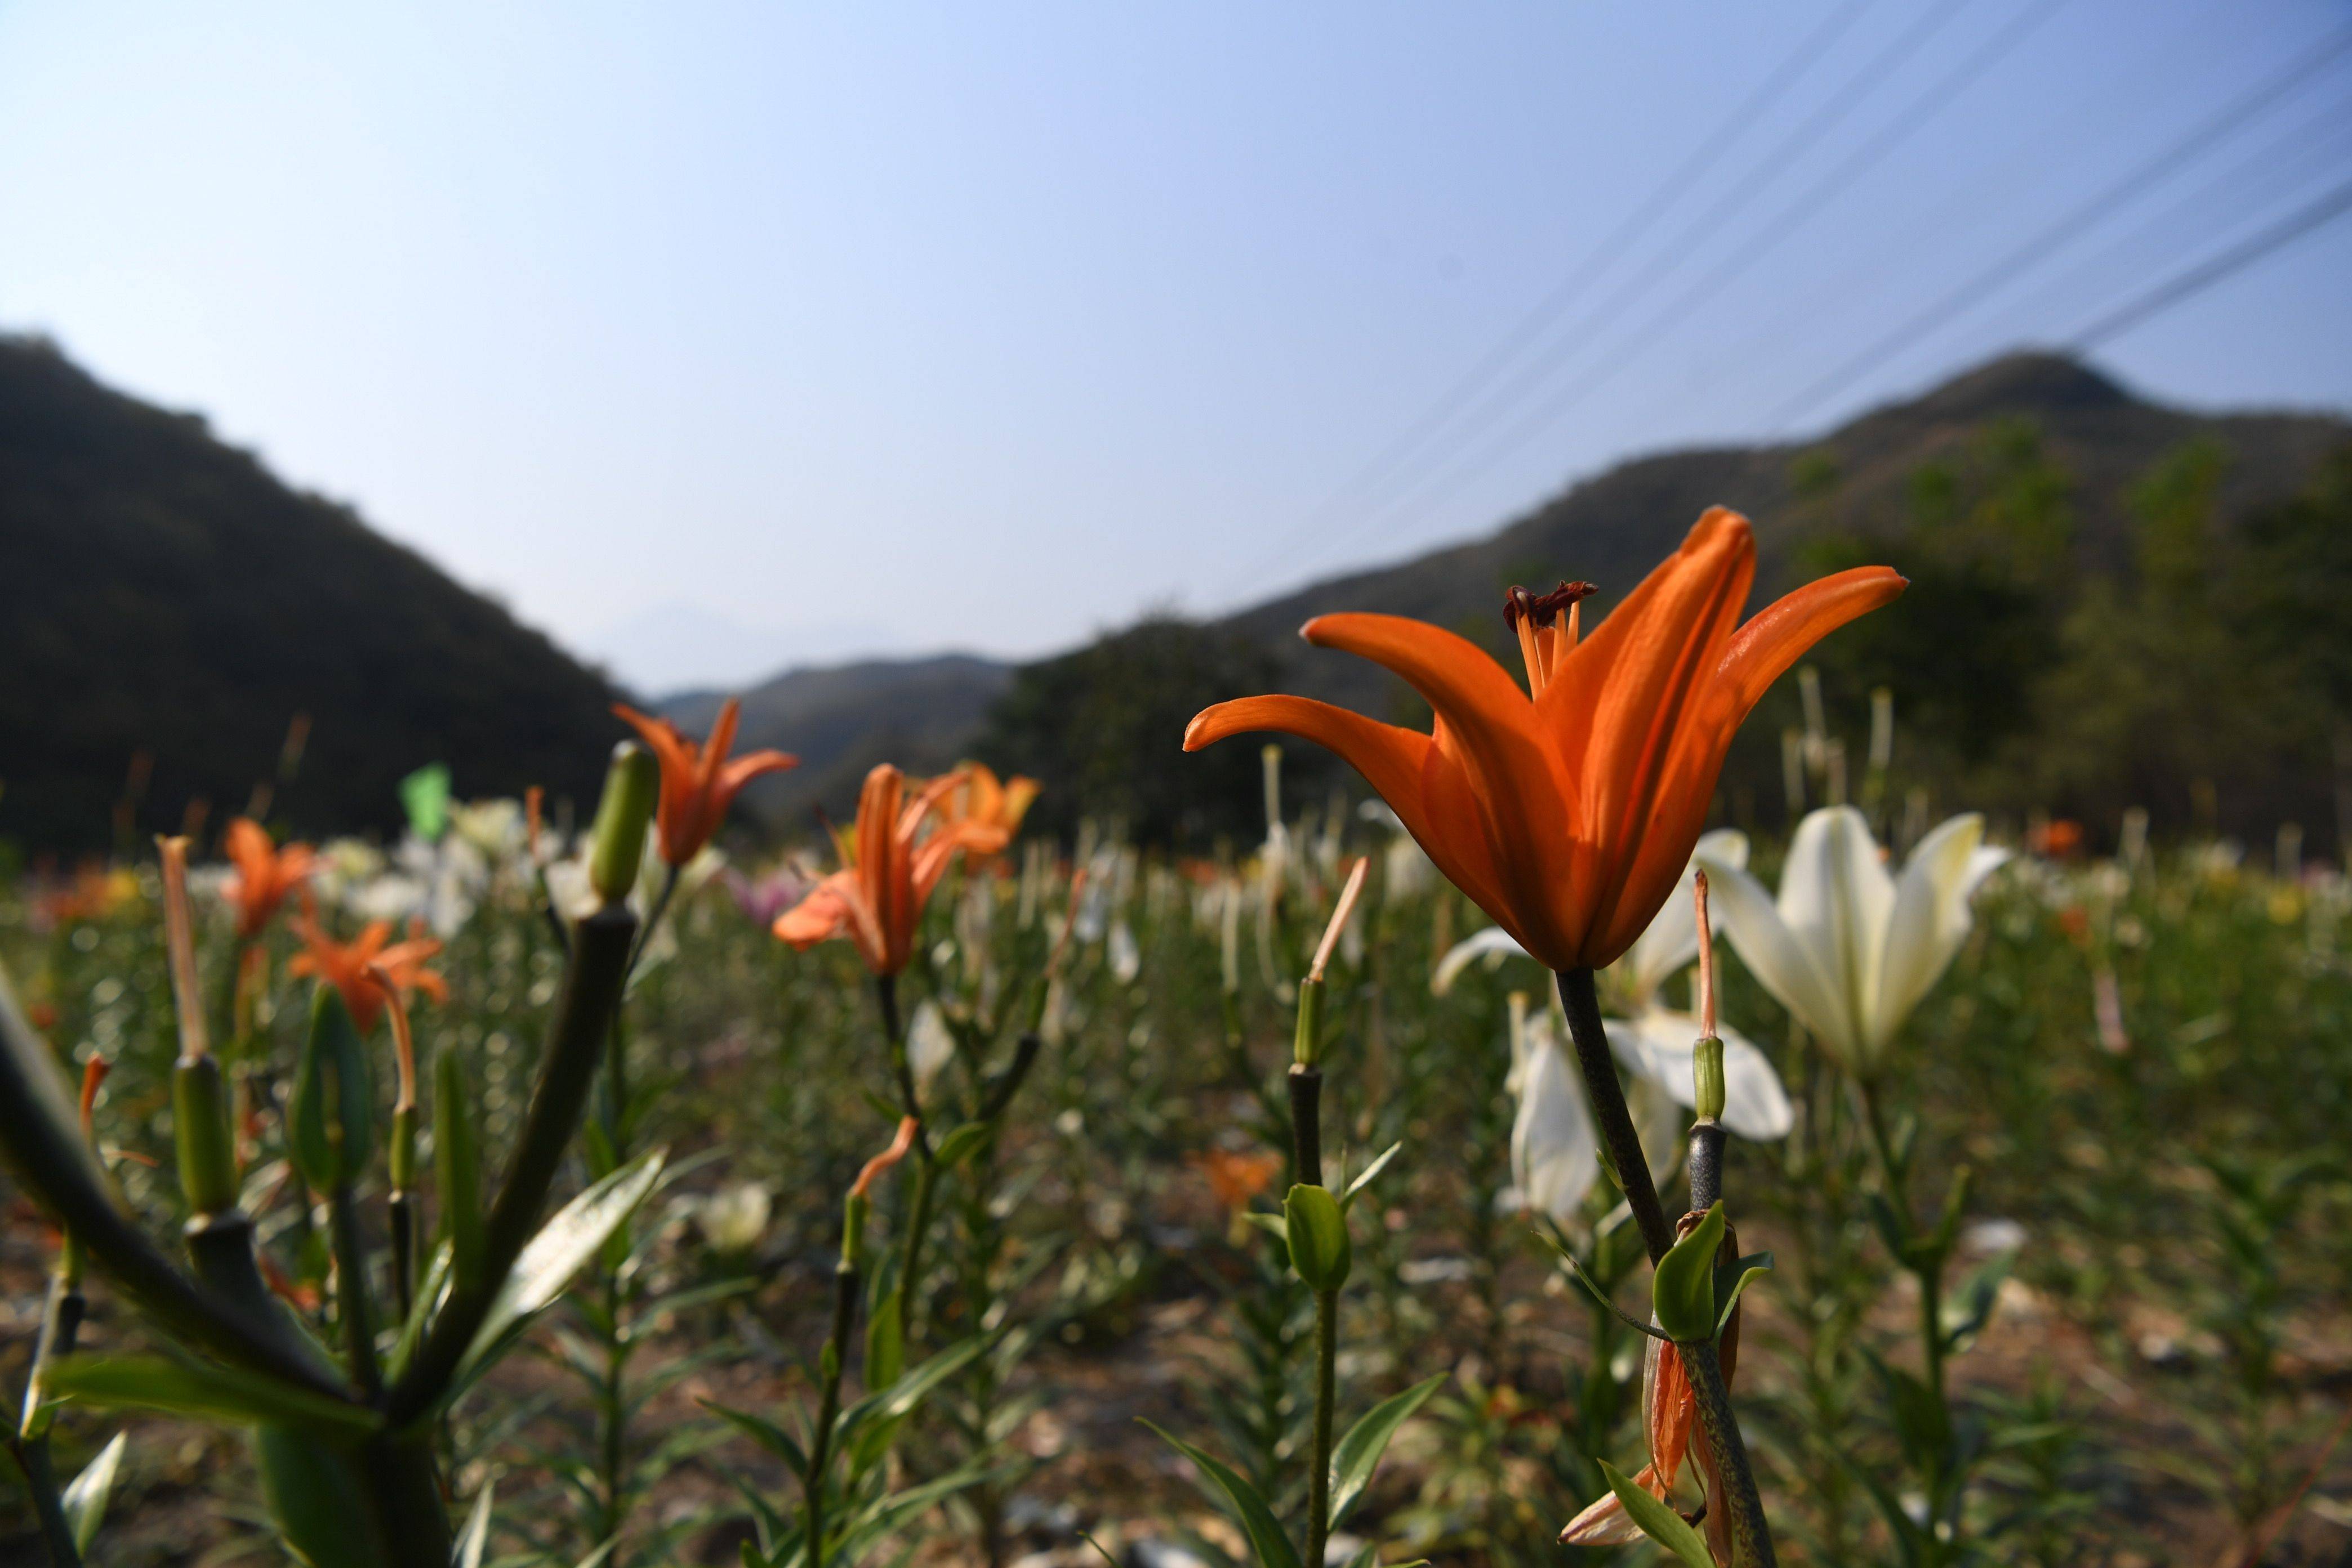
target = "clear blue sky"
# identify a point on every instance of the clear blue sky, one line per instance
(892, 328)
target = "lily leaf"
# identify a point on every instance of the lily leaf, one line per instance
(84, 1502)
(1266, 1539)
(1729, 1283)
(561, 1249)
(1658, 1521)
(1365, 1177)
(476, 1537)
(197, 1388)
(1682, 1292)
(765, 1433)
(1358, 1453)
(957, 1146)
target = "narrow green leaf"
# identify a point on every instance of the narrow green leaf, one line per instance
(561, 1249)
(1657, 1521)
(1365, 1177)
(957, 1146)
(1682, 1292)
(886, 1353)
(194, 1388)
(1317, 1229)
(1732, 1282)
(1358, 1453)
(885, 1408)
(476, 1537)
(1274, 1225)
(1264, 1531)
(765, 1433)
(84, 1501)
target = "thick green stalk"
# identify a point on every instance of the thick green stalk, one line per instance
(352, 1297)
(1751, 1538)
(1582, 1002)
(45, 1151)
(918, 1221)
(576, 1036)
(836, 1353)
(1319, 1478)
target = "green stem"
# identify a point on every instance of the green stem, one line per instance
(1751, 1538)
(836, 1353)
(1582, 1002)
(919, 1220)
(1318, 1478)
(613, 1418)
(351, 1300)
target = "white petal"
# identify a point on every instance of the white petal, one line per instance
(1670, 944)
(1553, 1152)
(1660, 1123)
(1660, 1044)
(1781, 961)
(1836, 896)
(1493, 941)
(1930, 918)
(930, 1047)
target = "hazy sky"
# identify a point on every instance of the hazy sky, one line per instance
(889, 328)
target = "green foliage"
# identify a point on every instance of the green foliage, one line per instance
(1104, 724)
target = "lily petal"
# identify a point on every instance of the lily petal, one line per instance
(1554, 1153)
(1780, 634)
(1781, 962)
(1836, 897)
(1929, 917)
(1493, 941)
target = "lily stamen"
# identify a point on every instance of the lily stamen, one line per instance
(1545, 638)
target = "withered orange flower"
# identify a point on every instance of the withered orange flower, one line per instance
(265, 874)
(352, 967)
(699, 781)
(1567, 811)
(1669, 1421)
(1236, 1177)
(983, 799)
(889, 867)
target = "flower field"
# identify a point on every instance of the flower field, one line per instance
(1869, 1184)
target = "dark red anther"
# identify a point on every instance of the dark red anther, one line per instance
(1542, 608)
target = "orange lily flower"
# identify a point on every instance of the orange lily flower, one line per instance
(352, 967)
(1236, 1177)
(699, 782)
(983, 799)
(1670, 1421)
(1567, 811)
(889, 867)
(265, 874)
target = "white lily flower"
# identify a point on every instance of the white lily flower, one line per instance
(1554, 1152)
(1657, 1043)
(1847, 948)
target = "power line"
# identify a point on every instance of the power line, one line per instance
(2153, 172)
(2281, 169)
(2205, 274)
(1788, 221)
(1695, 235)
(1596, 264)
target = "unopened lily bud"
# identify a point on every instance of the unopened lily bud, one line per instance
(1308, 1044)
(631, 791)
(457, 1165)
(200, 1131)
(1707, 1078)
(1318, 1229)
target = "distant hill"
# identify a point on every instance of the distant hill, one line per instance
(921, 714)
(2047, 656)
(170, 599)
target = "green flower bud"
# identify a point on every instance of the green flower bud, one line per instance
(200, 1131)
(1306, 1046)
(632, 791)
(1707, 1078)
